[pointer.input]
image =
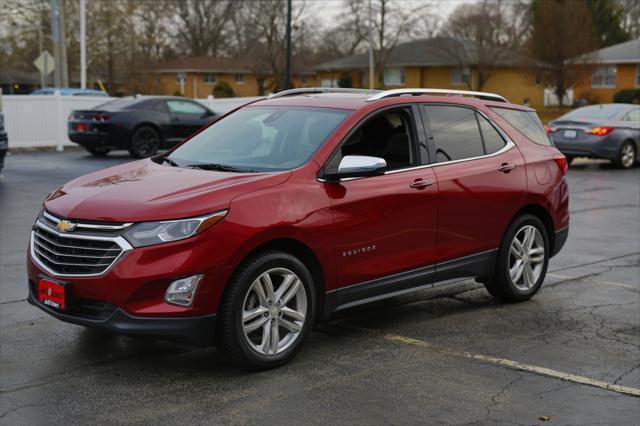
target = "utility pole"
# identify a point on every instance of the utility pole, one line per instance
(372, 83)
(287, 72)
(55, 35)
(83, 44)
(43, 73)
(64, 70)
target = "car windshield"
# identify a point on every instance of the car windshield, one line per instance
(260, 138)
(594, 112)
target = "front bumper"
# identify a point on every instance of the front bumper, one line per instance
(559, 240)
(194, 330)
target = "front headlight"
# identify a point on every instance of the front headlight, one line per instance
(150, 233)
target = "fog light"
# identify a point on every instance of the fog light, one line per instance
(182, 292)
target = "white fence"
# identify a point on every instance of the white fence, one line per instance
(38, 121)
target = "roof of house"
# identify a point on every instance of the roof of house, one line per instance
(623, 53)
(430, 52)
(211, 64)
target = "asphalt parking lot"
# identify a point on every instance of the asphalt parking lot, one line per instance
(447, 355)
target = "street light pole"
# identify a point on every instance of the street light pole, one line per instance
(287, 72)
(371, 66)
(83, 44)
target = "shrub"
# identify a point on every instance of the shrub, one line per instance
(627, 96)
(177, 93)
(223, 89)
(345, 80)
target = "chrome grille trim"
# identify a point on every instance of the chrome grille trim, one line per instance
(56, 220)
(39, 252)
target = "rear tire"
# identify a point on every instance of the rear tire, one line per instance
(98, 151)
(627, 155)
(144, 142)
(267, 311)
(521, 264)
(569, 159)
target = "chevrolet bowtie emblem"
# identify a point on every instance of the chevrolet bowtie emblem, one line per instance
(65, 226)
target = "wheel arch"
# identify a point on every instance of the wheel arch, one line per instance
(303, 252)
(543, 214)
(145, 124)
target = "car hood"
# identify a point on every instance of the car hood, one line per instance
(143, 191)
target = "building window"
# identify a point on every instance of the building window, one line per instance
(394, 77)
(638, 75)
(239, 78)
(181, 77)
(303, 80)
(328, 82)
(604, 76)
(209, 78)
(460, 76)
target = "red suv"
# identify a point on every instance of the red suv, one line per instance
(299, 205)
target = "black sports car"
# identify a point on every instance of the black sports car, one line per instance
(141, 124)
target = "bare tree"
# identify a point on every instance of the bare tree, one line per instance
(392, 23)
(486, 35)
(561, 31)
(202, 26)
(631, 13)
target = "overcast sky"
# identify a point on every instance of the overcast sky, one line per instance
(328, 10)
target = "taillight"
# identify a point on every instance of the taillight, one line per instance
(550, 129)
(562, 163)
(81, 127)
(102, 117)
(601, 131)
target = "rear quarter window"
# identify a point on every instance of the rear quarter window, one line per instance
(527, 123)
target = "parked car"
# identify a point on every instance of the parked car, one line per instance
(141, 124)
(4, 141)
(301, 205)
(69, 91)
(609, 131)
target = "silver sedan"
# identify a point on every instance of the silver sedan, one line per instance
(609, 131)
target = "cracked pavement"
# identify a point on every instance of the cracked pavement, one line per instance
(585, 321)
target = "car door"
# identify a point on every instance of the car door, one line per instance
(385, 225)
(187, 117)
(481, 181)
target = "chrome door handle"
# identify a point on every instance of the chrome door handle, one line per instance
(421, 183)
(506, 167)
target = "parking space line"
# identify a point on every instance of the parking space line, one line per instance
(565, 277)
(516, 365)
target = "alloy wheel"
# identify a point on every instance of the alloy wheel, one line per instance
(274, 311)
(146, 142)
(526, 257)
(628, 155)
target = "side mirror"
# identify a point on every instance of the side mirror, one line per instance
(359, 166)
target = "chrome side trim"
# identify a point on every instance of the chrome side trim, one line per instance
(124, 245)
(422, 268)
(57, 220)
(417, 92)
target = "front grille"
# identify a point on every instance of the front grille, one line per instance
(69, 255)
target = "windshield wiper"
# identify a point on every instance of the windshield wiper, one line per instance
(219, 167)
(170, 162)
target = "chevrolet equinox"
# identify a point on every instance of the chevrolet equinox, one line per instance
(300, 205)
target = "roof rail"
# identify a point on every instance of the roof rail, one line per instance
(311, 90)
(417, 92)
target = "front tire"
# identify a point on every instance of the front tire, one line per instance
(267, 312)
(522, 261)
(144, 142)
(627, 155)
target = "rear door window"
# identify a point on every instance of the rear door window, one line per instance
(527, 123)
(454, 131)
